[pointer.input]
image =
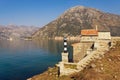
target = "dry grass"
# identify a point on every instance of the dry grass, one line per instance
(71, 66)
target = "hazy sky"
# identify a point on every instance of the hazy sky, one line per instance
(41, 12)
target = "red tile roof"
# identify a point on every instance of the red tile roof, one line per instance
(89, 32)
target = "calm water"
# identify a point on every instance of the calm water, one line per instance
(20, 60)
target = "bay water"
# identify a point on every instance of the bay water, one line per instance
(21, 59)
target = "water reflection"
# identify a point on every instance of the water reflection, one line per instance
(50, 45)
(16, 45)
(27, 58)
(54, 47)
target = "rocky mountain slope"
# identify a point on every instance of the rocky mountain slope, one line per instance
(16, 32)
(77, 18)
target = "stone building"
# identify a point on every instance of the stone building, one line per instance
(89, 35)
(88, 38)
(91, 39)
(93, 43)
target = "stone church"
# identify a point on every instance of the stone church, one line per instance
(90, 39)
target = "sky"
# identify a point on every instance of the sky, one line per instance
(41, 12)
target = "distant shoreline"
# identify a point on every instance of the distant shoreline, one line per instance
(59, 38)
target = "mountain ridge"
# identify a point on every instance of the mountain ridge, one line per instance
(16, 32)
(77, 18)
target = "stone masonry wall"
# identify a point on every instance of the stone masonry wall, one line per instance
(80, 50)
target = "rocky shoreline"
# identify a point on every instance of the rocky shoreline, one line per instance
(105, 68)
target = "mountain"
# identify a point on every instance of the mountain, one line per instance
(16, 32)
(77, 18)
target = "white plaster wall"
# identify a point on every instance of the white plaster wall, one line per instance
(104, 35)
(65, 57)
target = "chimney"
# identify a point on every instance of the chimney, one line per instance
(96, 27)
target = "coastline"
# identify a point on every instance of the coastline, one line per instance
(59, 38)
(53, 74)
(99, 67)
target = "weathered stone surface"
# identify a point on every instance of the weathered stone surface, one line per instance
(93, 65)
(65, 57)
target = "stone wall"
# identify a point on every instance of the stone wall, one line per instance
(65, 57)
(80, 50)
(71, 38)
(83, 54)
(67, 68)
(89, 38)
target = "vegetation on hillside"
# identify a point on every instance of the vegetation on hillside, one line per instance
(77, 18)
